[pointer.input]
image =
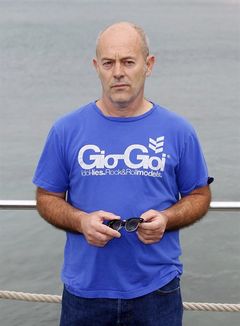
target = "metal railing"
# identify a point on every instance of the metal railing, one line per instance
(17, 204)
(190, 306)
(31, 204)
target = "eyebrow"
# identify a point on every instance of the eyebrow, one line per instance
(122, 59)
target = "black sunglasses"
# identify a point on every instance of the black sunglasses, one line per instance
(130, 224)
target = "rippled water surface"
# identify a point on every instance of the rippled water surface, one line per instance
(46, 71)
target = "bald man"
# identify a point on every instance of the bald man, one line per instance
(121, 175)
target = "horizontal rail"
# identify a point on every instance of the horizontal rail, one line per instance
(225, 205)
(31, 204)
(17, 204)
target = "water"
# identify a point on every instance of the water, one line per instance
(46, 71)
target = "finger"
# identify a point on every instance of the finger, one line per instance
(98, 239)
(146, 240)
(106, 230)
(151, 225)
(149, 239)
(148, 215)
(147, 233)
(156, 233)
(102, 238)
(108, 216)
(97, 243)
(154, 237)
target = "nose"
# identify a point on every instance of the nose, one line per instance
(118, 71)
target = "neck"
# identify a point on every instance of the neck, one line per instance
(123, 110)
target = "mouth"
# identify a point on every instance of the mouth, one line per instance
(120, 86)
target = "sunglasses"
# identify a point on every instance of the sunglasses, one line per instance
(130, 224)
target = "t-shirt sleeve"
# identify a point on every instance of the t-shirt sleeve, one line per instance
(192, 172)
(51, 173)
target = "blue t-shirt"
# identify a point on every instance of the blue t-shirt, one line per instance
(125, 166)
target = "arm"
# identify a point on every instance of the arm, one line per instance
(55, 210)
(187, 211)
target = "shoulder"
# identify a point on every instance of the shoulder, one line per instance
(75, 116)
(74, 119)
(173, 120)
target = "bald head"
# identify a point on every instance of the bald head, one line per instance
(124, 27)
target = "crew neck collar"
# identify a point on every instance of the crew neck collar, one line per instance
(124, 119)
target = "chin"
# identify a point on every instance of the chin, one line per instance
(121, 101)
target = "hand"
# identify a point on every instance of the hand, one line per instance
(95, 232)
(153, 228)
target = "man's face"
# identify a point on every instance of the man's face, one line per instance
(121, 66)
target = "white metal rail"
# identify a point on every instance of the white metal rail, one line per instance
(31, 204)
(17, 204)
(191, 306)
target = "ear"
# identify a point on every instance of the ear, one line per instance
(149, 64)
(95, 64)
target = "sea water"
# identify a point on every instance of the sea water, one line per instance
(46, 48)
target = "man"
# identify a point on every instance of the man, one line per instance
(122, 175)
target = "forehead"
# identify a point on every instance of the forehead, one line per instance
(118, 41)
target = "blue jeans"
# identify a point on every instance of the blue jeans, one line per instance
(162, 307)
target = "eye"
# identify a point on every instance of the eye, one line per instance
(107, 64)
(129, 63)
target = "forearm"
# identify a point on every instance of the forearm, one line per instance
(55, 210)
(189, 209)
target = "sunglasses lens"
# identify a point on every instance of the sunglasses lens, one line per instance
(132, 224)
(115, 224)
